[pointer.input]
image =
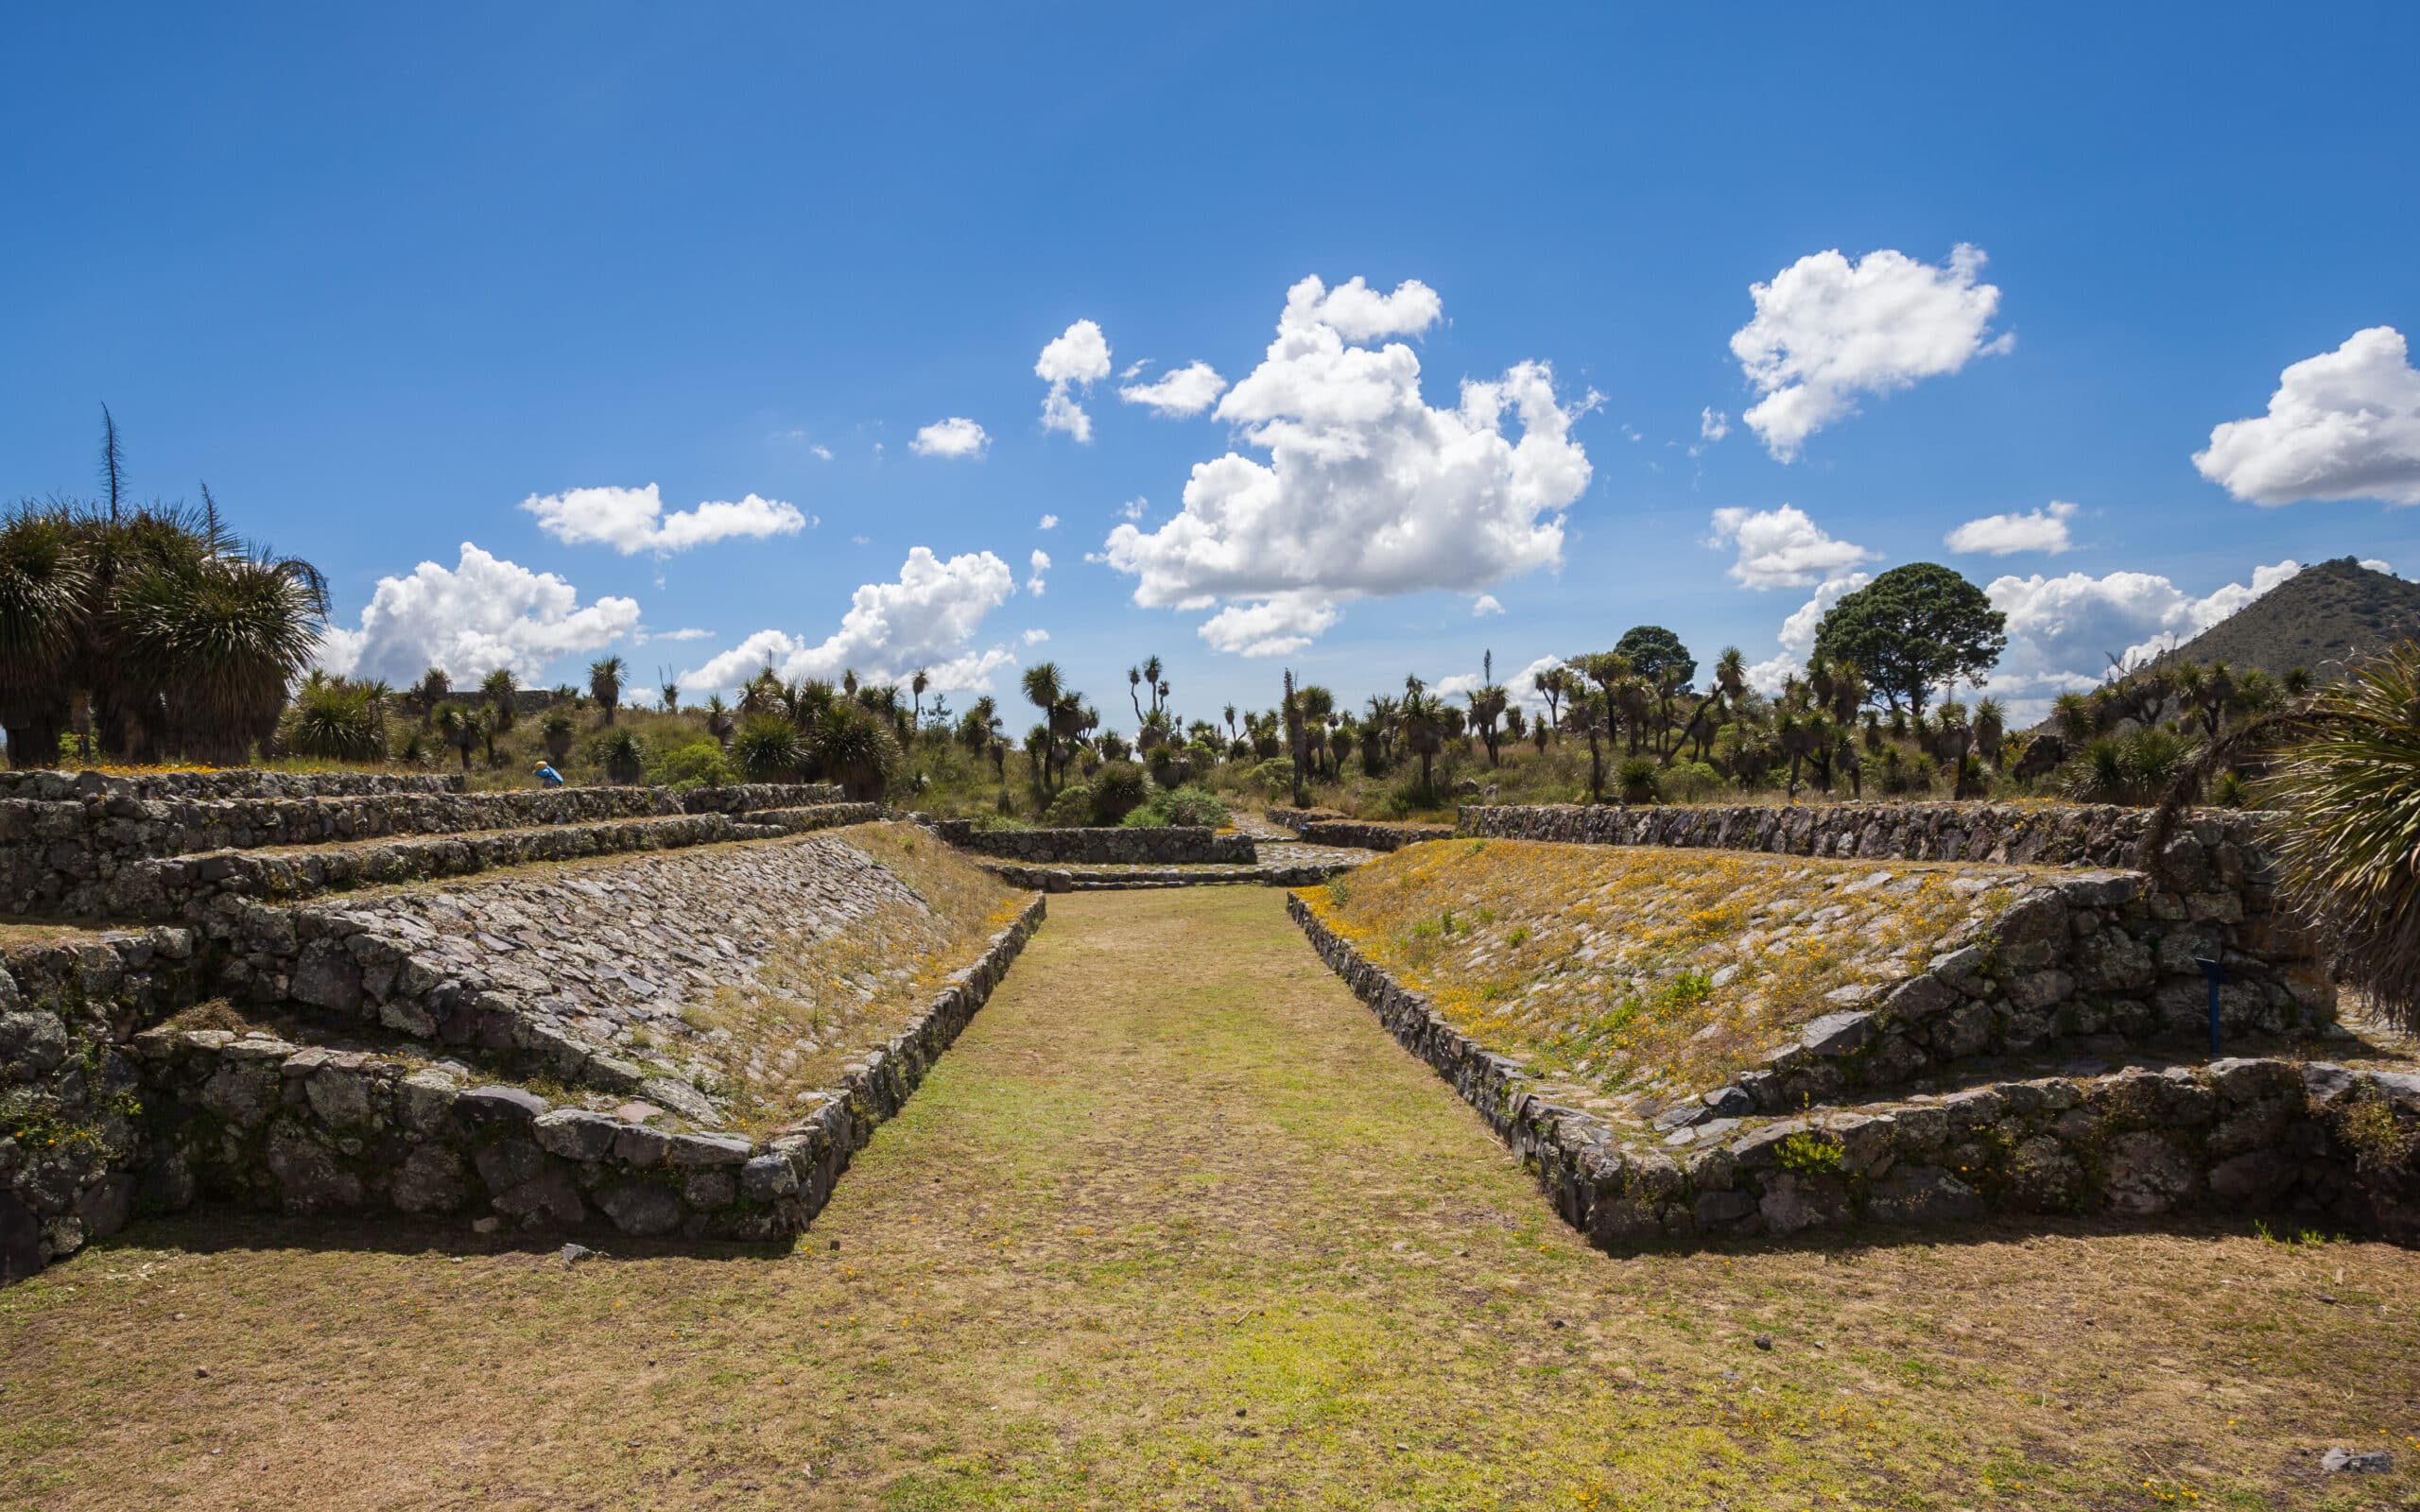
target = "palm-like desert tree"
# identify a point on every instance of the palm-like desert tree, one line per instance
(1044, 689)
(43, 579)
(499, 689)
(916, 685)
(605, 684)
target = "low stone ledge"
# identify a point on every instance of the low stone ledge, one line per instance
(233, 783)
(1155, 845)
(1081, 879)
(1300, 820)
(260, 1122)
(1371, 836)
(2236, 1135)
(816, 817)
(752, 796)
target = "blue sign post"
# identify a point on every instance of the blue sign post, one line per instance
(2215, 973)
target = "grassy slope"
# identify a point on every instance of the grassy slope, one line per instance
(1148, 1240)
(1599, 963)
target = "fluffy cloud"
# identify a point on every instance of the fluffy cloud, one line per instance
(1179, 392)
(1049, 522)
(1275, 627)
(1713, 426)
(2344, 425)
(2000, 535)
(483, 614)
(1522, 684)
(955, 437)
(1368, 490)
(1039, 563)
(1798, 631)
(1781, 548)
(2062, 631)
(1076, 358)
(1485, 604)
(927, 619)
(1827, 330)
(823, 452)
(1036, 636)
(632, 520)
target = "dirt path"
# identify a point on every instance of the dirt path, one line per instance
(1174, 1225)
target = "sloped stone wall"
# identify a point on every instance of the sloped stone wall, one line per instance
(2236, 1135)
(266, 1124)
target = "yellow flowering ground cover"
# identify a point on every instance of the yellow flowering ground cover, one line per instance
(1638, 970)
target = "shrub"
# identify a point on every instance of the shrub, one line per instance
(1275, 775)
(1808, 1153)
(1071, 808)
(2379, 1143)
(337, 721)
(856, 750)
(1689, 781)
(1635, 780)
(621, 754)
(700, 764)
(1180, 805)
(1118, 789)
(768, 749)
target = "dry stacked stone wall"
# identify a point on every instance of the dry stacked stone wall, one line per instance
(272, 1125)
(233, 783)
(2239, 1135)
(1169, 845)
(1364, 836)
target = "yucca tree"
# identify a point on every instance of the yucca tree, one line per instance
(558, 730)
(461, 726)
(498, 690)
(1488, 705)
(916, 686)
(2344, 788)
(218, 639)
(1042, 689)
(670, 691)
(720, 723)
(43, 580)
(605, 684)
(1424, 729)
(336, 720)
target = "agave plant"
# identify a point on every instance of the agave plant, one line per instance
(2347, 798)
(336, 720)
(767, 749)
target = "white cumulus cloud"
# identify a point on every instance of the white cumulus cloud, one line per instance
(1076, 358)
(1179, 392)
(2062, 631)
(1485, 604)
(1036, 636)
(483, 614)
(927, 619)
(1781, 548)
(1039, 563)
(1367, 490)
(2344, 425)
(632, 520)
(955, 437)
(1275, 627)
(1827, 330)
(1798, 631)
(2002, 534)
(1049, 522)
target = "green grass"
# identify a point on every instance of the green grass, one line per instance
(1175, 1225)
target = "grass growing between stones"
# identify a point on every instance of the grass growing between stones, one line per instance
(820, 1000)
(1174, 1226)
(1634, 969)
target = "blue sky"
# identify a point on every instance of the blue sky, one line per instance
(381, 278)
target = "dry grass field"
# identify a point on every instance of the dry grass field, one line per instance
(1174, 1226)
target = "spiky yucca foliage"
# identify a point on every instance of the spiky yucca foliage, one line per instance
(768, 749)
(338, 721)
(854, 749)
(621, 754)
(2347, 798)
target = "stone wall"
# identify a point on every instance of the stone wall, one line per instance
(92, 1134)
(232, 783)
(1298, 820)
(70, 1099)
(1370, 836)
(2074, 960)
(1169, 845)
(745, 798)
(2236, 1135)
(187, 887)
(2055, 834)
(1080, 879)
(266, 1124)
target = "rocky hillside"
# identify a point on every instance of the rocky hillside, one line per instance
(2313, 620)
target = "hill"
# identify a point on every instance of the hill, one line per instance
(2312, 620)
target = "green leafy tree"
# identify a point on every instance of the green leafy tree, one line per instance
(1913, 629)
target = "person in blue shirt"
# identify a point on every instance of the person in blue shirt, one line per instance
(547, 776)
